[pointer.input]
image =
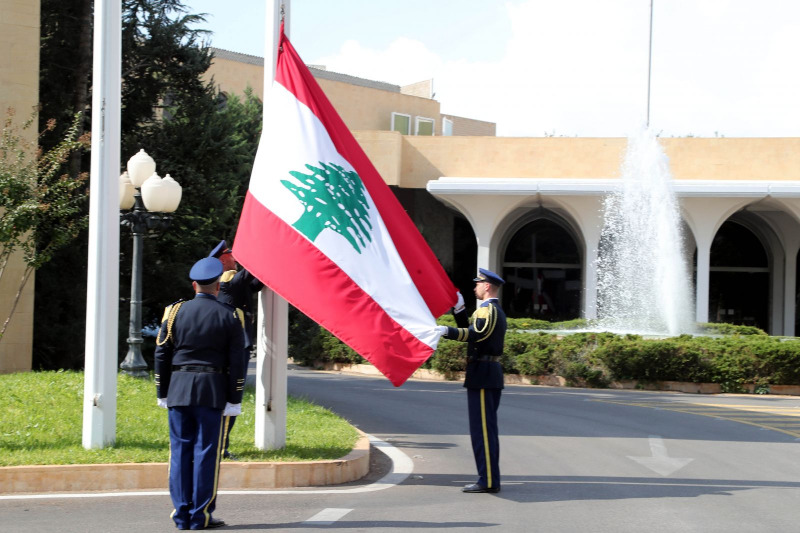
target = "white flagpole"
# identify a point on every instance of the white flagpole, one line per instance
(273, 310)
(102, 294)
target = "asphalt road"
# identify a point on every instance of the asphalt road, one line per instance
(572, 460)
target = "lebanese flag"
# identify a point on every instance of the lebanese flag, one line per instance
(321, 228)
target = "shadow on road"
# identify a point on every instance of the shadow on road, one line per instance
(538, 489)
(358, 526)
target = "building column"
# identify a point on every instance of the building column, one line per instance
(790, 290)
(777, 292)
(590, 281)
(703, 276)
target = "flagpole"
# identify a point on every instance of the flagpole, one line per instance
(102, 288)
(273, 310)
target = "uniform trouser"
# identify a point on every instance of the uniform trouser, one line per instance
(483, 404)
(195, 439)
(231, 422)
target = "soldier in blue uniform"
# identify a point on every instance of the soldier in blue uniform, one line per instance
(236, 289)
(484, 376)
(199, 372)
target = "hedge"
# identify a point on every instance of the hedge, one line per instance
(730, 355)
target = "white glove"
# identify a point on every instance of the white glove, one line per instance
(459, 303)
(162, 402)
(232, 409)
(441, 330)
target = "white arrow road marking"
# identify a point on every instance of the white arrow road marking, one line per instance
(659, 462)
(327, 517)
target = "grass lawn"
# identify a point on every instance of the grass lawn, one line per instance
(42, 416)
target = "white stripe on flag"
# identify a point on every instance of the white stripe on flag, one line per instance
(295, 137)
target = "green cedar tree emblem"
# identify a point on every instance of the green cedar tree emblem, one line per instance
(333, 198)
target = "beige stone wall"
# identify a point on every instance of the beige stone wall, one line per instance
(19, 88)
(19, 54)
(422, 89)
(233, 77)
(421, 159)
(774, 159)
(472, 127)
(361, 108)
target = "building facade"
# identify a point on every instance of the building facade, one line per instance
(739, 202)
(19, 90)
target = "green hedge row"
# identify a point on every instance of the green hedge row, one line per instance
(731, 356)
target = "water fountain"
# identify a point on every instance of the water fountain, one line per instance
(643, 279)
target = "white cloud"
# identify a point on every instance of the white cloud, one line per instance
(405, 61)
(578, 67)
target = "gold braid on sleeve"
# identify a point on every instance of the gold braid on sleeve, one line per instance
(172, 311)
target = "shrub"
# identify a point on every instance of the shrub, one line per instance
(723, 328)
(575, 359)
(310, 344)
(535, 353)
(450, 356)
(748, 355)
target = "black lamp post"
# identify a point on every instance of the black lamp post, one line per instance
(151, 199)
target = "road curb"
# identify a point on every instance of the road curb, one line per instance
(153, 476)
(549, 380)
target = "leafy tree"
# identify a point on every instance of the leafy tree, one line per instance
(40, 207)
(209, 150)
(169, 110)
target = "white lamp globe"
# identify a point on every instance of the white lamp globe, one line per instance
(161, 195)
(126, 192)
(140, 167)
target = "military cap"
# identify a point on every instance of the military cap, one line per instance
(206, 271)
(488, 275)
(221, 248)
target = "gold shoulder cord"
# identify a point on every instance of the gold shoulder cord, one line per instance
(489, 314)
(239, 313)
(172, 311)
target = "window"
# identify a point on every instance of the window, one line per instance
(424, 126)
(401, 123)
(447, 127)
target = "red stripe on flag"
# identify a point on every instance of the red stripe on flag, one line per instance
(421, 263)
(293, 267)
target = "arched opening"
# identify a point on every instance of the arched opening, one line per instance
(543, 271)
(739, 280)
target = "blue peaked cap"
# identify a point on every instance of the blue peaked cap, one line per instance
(219, 249)
(488, 275)
(206, 271)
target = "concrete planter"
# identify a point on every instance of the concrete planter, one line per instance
(153, 476)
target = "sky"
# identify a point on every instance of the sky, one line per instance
(557, 67)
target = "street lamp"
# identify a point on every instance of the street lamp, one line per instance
(151, 198)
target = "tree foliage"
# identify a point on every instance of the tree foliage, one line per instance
(205, 142)
(41, 208)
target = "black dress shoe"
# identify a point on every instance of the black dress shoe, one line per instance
(215, 522)
(480, 488)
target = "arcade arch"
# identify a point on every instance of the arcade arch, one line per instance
(542, 264)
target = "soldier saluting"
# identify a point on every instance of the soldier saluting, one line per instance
(200, 373)
(484, 376)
